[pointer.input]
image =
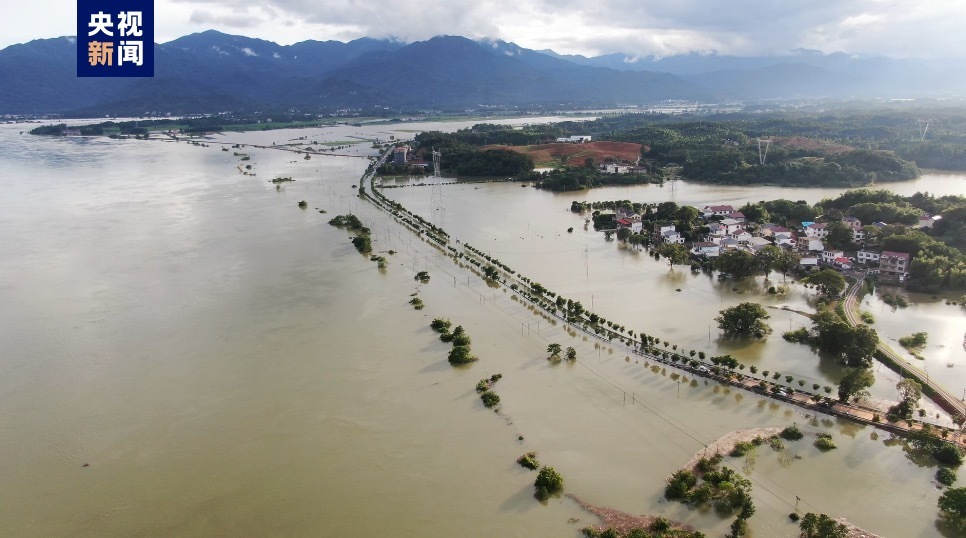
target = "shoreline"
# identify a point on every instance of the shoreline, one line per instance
(622, 522)
(724, 444)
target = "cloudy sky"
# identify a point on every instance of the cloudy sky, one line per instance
(904, 28)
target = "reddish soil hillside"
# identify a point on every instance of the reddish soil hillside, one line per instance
(577, 154)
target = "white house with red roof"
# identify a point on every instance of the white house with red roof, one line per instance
(842, 262)
(716, 210)
(740, 234)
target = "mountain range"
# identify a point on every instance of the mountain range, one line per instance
(212, 71)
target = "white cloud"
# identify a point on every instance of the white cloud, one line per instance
(653, 27)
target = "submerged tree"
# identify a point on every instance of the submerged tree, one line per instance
(745, 318)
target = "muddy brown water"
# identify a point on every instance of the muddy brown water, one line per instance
(227, 364)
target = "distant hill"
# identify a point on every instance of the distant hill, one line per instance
(212, 71)
(807, 73)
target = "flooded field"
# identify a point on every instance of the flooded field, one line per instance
(189, 353)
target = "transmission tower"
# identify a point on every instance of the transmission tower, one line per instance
(436, 195)
(763, 151)
(923, 127)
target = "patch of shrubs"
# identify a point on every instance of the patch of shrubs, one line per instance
(529, 461)
(824, 442)
(946, 476)
(549, 482)
(791, 433)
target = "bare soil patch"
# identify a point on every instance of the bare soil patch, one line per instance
(622, 522)
(576, 154)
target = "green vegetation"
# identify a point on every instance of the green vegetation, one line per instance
(831, 333)
(529, 461)
(821, 526)
(554, 350)
(853, 384)
(914, 342)
(462, 158)
(867, 317)
(441, 325)
(830, 283)
(675, 253)
(741, 448)
(712, 486)
(461, 355)
(417, 303)
(744, 319)
(791, 433)
(570, 354)
(303, 204)
(490, 399)
(381, 261)
(824, 442)
(548, 483)
(946, 476)
(910, 391)
(952, 503)
(572, 178)
(362, 241)
(926, 441)
(422, 277)
(897, 300)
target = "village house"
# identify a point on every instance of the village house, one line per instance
(574, 139)
(672, 236)
(709, 250)
(829, 256)
(808, 262)
(926, 221)
(780, 235)
(622, 168)
(633, 222)
(716, 210)
(842, 263)
(816, 229)
(731, 225)
(740, 234)
(400, 155)
(894, 264)
(868, 257)
(810, 244)
(852, 222)
(737, 215)
(758, 243)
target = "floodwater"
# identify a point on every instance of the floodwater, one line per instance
(188, 353)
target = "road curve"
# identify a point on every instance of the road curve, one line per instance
(940, 395)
